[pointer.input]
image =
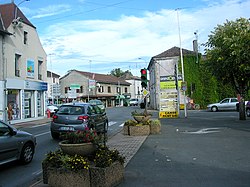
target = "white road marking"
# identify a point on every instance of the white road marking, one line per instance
(121, 125)
(39, 125)
(42, 134)
(112, 123)
(203, 131)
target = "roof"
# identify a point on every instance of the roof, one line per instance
(53, 74)
(2, 29)
(173, 52)
(8, 14)
(101, 78)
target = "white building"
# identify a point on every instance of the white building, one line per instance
(24, 67)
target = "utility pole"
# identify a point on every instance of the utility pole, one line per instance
(182, 65)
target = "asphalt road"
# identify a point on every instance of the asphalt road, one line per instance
(204, 150)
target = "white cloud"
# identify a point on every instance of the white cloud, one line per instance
(108, 42)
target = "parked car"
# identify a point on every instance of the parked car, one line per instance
(134, 102)
(248, 109)
(52, 109)
(225, 104)
(99, 103)
(78, 116)
(15, 145)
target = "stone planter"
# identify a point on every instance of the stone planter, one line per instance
(45, 168)
(155, 129)
(126, 130)
(107, 177)
(142, 130)
(140, 119)
(83, 149)
(64, 178)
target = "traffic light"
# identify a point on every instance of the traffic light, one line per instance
(144, 80)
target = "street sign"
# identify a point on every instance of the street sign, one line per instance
(145, 92)
(74, 86)
(184, 86)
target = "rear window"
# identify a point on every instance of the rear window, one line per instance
(71, 110)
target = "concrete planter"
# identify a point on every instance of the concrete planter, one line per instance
(142, 130)
(107, 177)
(64, 178)
(155, 127)
(140, 119)
(126, 130)
(83, 149)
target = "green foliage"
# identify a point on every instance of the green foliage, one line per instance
(105, 157)
(117, 72)
(228, 54)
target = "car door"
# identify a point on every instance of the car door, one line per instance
(224, 104)
(232, 104)
(8, 144)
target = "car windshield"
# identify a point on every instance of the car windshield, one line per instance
(71, 110)
(95, 102)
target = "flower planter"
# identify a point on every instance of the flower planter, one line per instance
(83, 149)
(140, 119)
(126, 130)
(143, 130)
(155, 129)
(64, 178)
(107, 177)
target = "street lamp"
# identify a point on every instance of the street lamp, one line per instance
(15, 15)
(182, 65)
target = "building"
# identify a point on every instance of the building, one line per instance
(54, 88)
(24, 67)
(84, 86)
(162, 71)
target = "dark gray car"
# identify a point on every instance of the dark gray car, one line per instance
(78, 116)
(15, 145)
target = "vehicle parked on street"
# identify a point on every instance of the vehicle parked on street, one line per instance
(78, 116)
(52, 109)
(248, 109)
(15, 145)
(99, 103)
(225, 104)
(134, 102)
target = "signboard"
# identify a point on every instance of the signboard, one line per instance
(145, 92)
(168, 104)
(168, 82)
(91, 83)
(74, 86)
(30, 68)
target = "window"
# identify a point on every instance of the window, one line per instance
(81, 89)
(109, 89)
(126, 90)
(118, 90)
(66, 90)
(101, 89)
(25, 37)
(40, 69)
(17, 65)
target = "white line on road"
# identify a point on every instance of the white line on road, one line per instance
(203, 131)
(42, 134)
(112, 123)
(39, 125)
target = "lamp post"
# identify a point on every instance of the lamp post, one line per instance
(182, 65)
(15, 15)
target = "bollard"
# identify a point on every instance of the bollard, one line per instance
(48, 113)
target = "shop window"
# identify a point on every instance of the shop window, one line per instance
(101, 89)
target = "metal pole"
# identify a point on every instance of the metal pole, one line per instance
(182, 65)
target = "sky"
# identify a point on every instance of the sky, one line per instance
(101, 35)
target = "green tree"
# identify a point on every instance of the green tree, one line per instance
(117, 72)
(228, 56)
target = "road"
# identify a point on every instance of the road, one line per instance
(16, 175)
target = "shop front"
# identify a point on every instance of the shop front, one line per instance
(25, 99)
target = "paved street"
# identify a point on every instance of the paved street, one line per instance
(206, 149)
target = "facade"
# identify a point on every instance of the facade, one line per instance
(84, 86)
(54, 88)
(24, 79)
(135, 85)
(162, 67)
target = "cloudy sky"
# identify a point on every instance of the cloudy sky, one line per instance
(101, 35)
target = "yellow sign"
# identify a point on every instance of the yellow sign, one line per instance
(145, 92)
(173, 114)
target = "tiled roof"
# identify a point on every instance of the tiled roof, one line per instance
(174, 51)
(8, 14)
(102, 78)
(2, 29)
(53, 74)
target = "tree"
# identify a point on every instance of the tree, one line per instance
(117, 72)
(228, 56)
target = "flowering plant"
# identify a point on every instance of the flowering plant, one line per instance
(85, 136)
(104, 157)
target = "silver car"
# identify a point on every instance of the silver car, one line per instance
(225, 104)
(15, 145)
(78, 116)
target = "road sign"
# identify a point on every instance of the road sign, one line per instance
(145, 92)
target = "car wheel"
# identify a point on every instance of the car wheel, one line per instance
(214, 109)
(27, 153)
(248, 112)
(54, 135)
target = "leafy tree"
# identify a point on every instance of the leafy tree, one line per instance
(117, 72)
(228, 56)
